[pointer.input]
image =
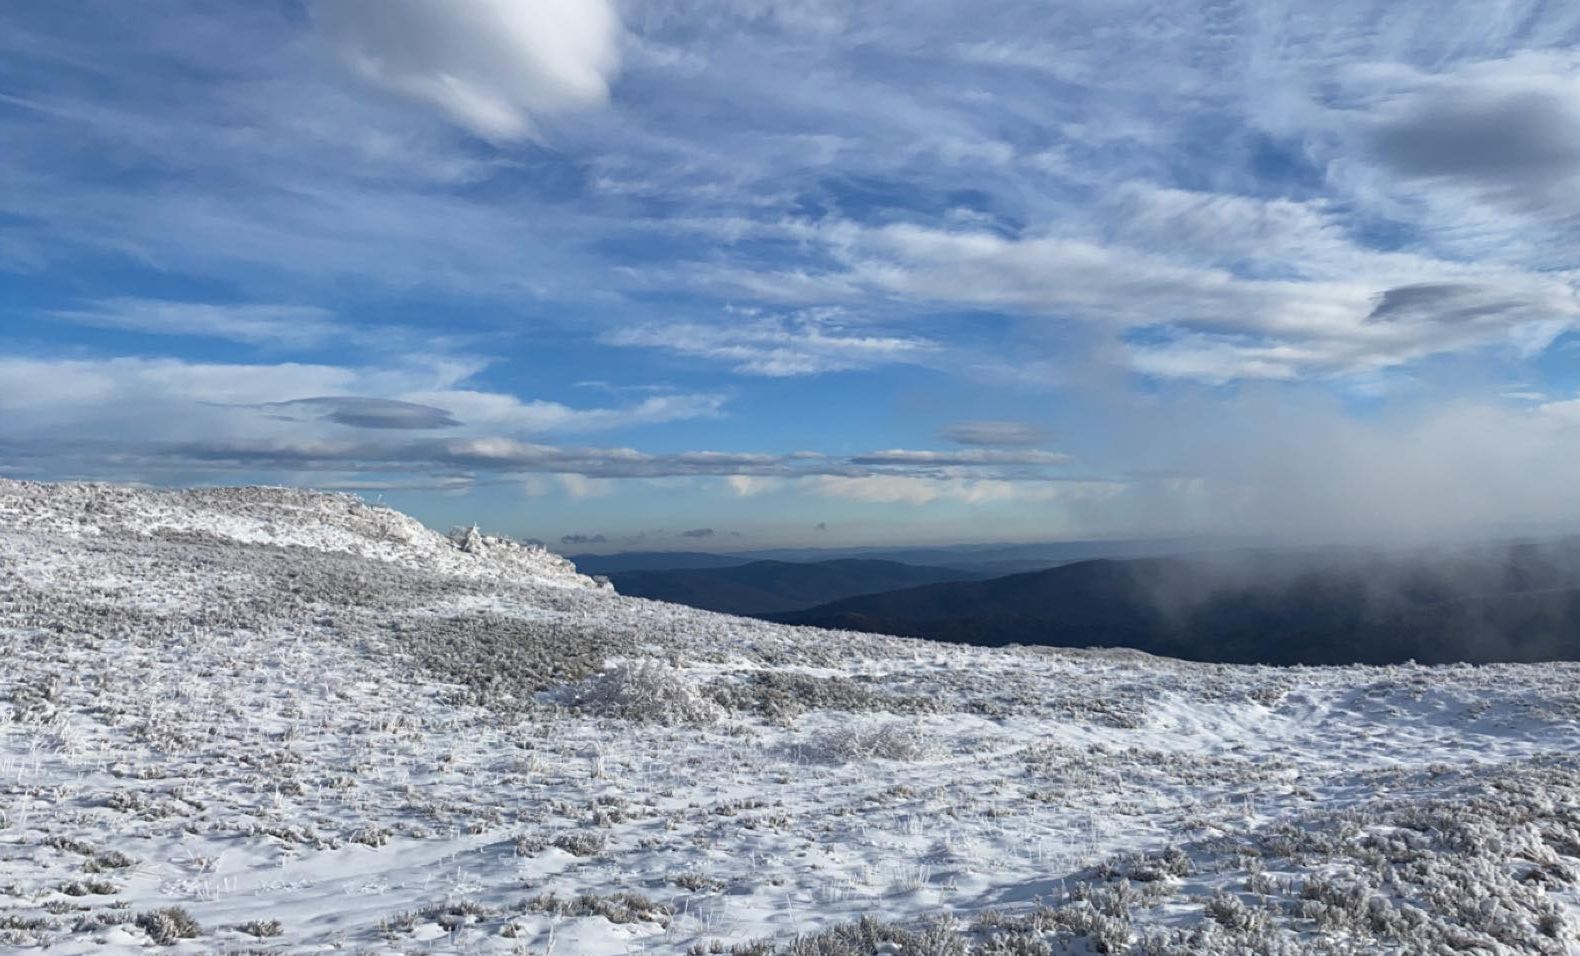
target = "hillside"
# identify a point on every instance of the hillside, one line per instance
(767, 587)
(267, 721)
(1517, 602)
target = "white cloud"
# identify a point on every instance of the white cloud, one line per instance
(913, 490)
(142, 417)
(507, 412)
(496, 67)
(580, 486)
(961, 458)
(251, 324)
(1310, 472)
(747, 486)
(145, 398)
(1218, 360)
(140, 400)
(777, 347)
(1290, 296)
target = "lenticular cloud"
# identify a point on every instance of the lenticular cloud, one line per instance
(495, 67)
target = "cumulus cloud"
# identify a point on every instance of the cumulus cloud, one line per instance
(1003, 434)
(495, 67)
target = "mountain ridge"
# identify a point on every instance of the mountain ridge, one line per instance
(1516, 602)
(765, 587)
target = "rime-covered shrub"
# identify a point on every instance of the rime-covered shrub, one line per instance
(169, 925)
(503, 661)
(647, 692)
(580, 843)
(263, 929)
(697, 882)
(867, 936)
(782, 696)
(619, 908)
(891, 740)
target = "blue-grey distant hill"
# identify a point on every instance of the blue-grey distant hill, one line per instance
(983, 558)
(607, 564)
(767, 587)
(1504, 602)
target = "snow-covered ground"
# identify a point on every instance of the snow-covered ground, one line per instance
(259, 720)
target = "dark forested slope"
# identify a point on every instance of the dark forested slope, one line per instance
(1509, 602)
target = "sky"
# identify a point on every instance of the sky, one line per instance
(724, 274)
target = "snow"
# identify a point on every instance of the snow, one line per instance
(263, 705)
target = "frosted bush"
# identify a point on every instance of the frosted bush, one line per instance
(169, 925)
(783, 696)
(648, 692)
(893, 740)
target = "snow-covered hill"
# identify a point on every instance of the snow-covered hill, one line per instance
(257, 720)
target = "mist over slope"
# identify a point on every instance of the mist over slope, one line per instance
(266, 721)
(1506, 602)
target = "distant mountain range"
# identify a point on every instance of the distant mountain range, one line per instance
(607, 564)
(767, 587)
(1513, 602)
(978, 558)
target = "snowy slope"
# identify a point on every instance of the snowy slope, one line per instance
(281, 721)
(273, 517)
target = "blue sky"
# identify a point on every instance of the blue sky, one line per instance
(734, 273)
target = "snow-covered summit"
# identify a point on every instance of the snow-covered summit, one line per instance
(278, 517)
(267, 721)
